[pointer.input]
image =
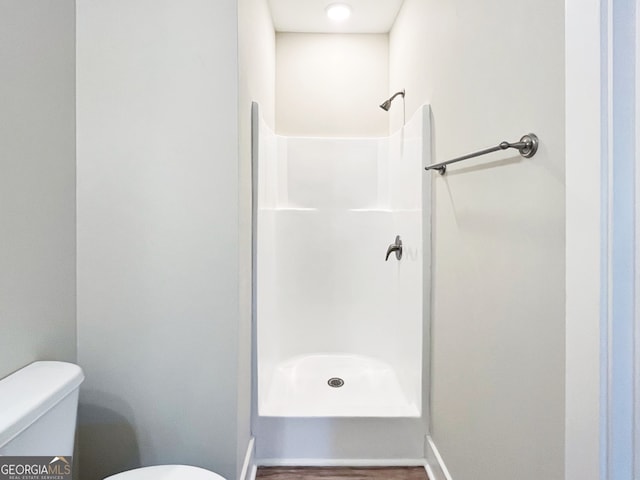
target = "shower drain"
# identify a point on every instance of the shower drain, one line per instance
(335, 382)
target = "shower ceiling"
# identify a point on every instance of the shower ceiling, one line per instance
(367, 16)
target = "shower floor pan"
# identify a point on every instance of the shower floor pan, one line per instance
(336, 385)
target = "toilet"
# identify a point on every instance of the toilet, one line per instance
(166, 472)
(38, 409)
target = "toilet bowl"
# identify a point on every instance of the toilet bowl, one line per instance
(38, 410)
(167, 472)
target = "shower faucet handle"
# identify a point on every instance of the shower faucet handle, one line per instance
(395, 247)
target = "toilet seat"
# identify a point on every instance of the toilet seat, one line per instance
(167, 472)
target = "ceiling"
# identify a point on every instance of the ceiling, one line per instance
(308, 16)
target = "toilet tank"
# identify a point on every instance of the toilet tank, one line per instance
(38, 409)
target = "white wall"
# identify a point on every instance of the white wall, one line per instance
(257, 65)
(158, 308)
(586, 280)
(330, 85)
(498, 308)
(257, 76)
(37, 194)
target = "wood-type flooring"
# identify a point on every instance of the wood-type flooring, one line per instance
(341, 473)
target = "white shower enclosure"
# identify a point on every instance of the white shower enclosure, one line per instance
(339, 330)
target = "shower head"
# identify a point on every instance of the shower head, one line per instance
(386, 105)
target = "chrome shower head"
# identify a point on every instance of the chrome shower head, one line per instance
(386, 105)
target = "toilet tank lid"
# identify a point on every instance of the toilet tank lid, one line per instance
(30, 392)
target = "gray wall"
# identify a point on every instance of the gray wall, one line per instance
(158, 307)
(37, 177)
(493, 71)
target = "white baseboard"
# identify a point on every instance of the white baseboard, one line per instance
(254, 472)
(248, 467)
(436, 469)
(342, 462)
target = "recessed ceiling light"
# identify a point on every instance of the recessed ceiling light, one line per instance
(338, 12)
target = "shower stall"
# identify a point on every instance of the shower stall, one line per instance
(339, 310)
